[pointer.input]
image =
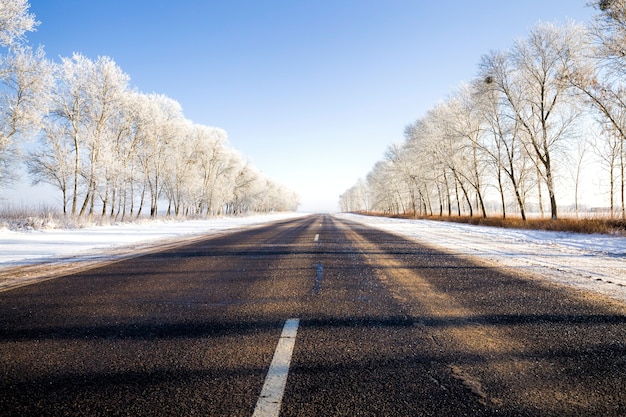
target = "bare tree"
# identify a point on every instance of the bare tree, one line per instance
(609, 29)
(538, 92)
(600, 77)
(503, 130)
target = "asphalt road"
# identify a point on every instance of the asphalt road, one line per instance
(380, 326)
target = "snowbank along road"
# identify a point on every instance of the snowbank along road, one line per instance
(310, 316)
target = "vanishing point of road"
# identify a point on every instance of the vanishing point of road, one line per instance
(314, 316)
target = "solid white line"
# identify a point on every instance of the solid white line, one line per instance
(316, 238)
(268, 404)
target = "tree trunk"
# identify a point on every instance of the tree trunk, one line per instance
(623, 180)
(550, 184)
(85, 203)
(76, 169)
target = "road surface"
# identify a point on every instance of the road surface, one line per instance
(315, 316)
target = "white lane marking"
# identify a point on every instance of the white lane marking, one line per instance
(268, 404)
(316, 238)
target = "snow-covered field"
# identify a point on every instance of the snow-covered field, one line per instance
(590, 262)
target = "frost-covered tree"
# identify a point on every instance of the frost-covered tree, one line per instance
(431, 173)
(25, 77)
(449, 148)
(24, 81)
(275, 198)
(356, 198)
(158, 123)
(387, 190)
(68, 104)
(107, 85)
(401, 163)
(102, 144)
(85, 103)
(214, 165)
(246, 189)
(182, 180)
(121, 173)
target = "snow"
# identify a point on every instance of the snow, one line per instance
(589, 262)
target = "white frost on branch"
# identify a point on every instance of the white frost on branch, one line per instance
(15, 21)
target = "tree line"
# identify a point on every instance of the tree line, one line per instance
(552, 106)
(109, 149)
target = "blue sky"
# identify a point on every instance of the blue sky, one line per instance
(311, 92)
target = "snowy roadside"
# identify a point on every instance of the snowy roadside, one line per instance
(590, 262)
(30, 256)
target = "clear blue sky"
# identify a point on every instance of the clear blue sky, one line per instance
(311, 92)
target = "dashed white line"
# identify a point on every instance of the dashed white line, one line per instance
(268, 404)
(316, 238)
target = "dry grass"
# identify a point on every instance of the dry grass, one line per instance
(577, 225)
(20, 217)
(23, 217)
